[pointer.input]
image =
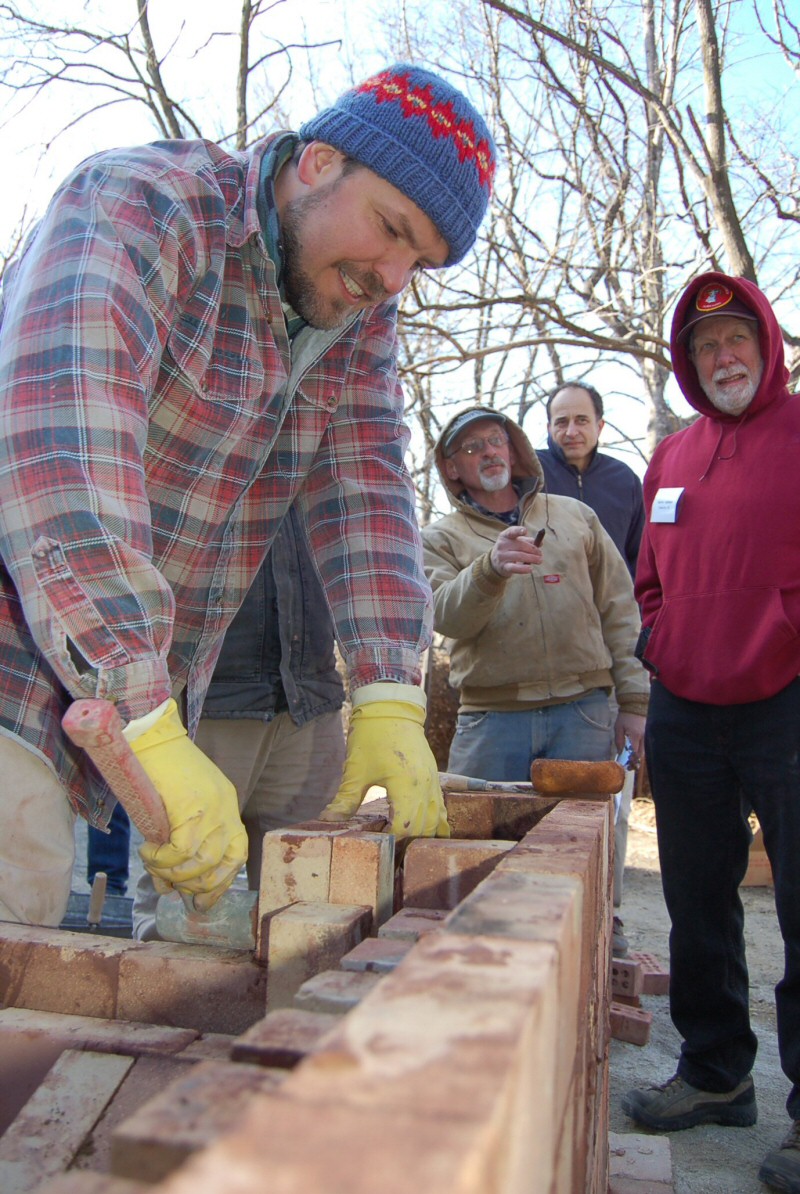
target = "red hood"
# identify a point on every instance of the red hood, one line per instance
(775, 375)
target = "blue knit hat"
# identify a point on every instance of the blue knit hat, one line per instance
(425, 138)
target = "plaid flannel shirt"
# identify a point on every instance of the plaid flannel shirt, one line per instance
(156, 427)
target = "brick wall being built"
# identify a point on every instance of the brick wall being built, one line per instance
(431, 1019)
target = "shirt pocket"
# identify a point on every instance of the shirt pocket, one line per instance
(222, 364)
(233, 380)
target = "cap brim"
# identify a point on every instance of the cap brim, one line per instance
(703, 315)
(476, 416)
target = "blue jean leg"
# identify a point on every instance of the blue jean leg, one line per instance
(110, 852)
(502, 746)
(708, 764)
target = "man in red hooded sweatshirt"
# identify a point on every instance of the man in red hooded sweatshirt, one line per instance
(718, 582)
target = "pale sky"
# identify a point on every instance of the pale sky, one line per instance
(200, 70)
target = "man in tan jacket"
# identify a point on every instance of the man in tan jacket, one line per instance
(541, 627)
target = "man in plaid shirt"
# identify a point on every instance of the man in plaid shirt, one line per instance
(191, 341)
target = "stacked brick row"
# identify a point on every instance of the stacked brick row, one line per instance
(440, 1025)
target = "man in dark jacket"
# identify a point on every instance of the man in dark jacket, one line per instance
(718, 583)
(573, 467)
(272, 719)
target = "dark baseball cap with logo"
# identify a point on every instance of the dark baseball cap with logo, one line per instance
(476, 415)
(714, 299)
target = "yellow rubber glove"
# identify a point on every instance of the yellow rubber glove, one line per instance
(386, 745)
(208, 844)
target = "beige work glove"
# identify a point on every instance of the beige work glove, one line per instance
(207, 845)
(386, 746)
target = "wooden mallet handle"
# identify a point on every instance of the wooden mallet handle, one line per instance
(96, 727)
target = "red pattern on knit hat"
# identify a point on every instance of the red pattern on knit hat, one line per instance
(442, 120)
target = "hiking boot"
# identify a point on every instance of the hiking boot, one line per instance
(676, 1105)
(780, 1169)
(619, 942)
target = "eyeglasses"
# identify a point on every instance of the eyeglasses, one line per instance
(472, 447)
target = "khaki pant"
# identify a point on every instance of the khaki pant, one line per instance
(37, 839)
(282, 773)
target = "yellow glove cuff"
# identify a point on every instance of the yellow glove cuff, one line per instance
(385, 690)
(152, 730)
(140, 725)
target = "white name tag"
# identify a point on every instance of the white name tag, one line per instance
(666, 504)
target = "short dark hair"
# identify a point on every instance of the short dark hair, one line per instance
(597, 401)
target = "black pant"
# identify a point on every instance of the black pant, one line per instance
(707, 765)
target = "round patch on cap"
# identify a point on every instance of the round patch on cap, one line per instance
(713, 298)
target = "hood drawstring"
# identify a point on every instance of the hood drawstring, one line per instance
(716, 453)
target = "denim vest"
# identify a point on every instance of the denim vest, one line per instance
(278, 651)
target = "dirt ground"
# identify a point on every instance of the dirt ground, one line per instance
(705, 1160)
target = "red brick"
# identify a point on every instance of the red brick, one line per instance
(24, 1062)
(574, 839)
(283, 1038)
(84, 1181)
(54, 971)
(412, 923)
(191, 986)
(147, 1078)
(335, 991)
(536, 907)
(630, 1024)
(304, 939)
(31, 1042)
(362, 872)
(468, 1028)
(655, 977)
(380, 954)
(286, 1145)
(628, 1000)
(295, 866)
(372, 817)
(129, 1038)
(627, 978)
(212, 1046)
(198, 1107)
(470, 815)
(439, 873)
(514, 816)
(449, 1052)
(759, 871)
(51, 1127)
(491, 815)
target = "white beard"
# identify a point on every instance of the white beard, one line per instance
(733, 400)
(496, 481)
